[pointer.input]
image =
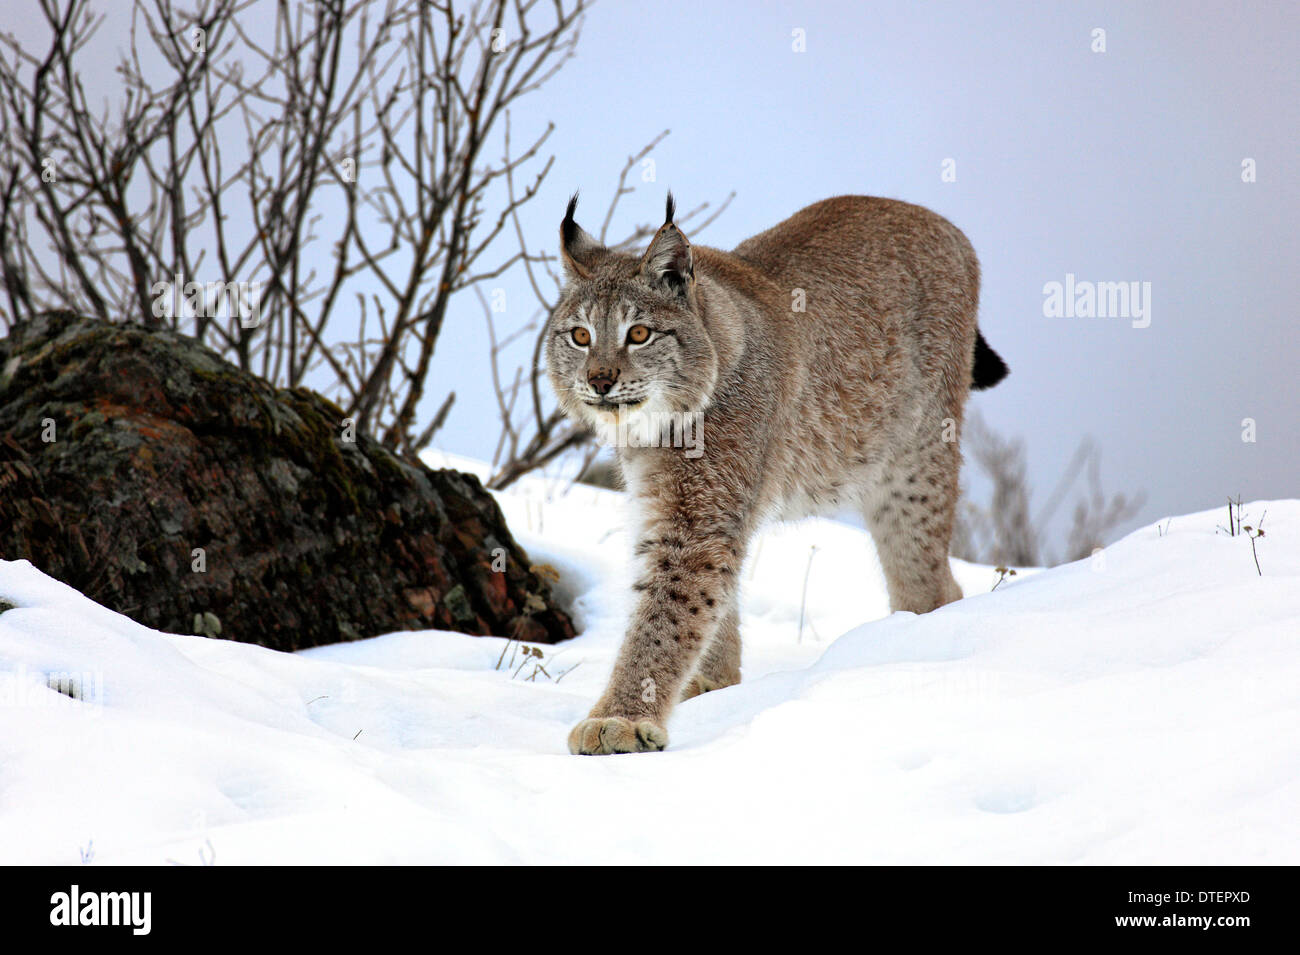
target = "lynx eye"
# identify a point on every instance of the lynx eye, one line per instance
(638, 335)
(581, 336)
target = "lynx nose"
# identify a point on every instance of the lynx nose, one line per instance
(602, 380)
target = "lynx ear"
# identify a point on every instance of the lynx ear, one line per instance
(668, 261)
(578, 251)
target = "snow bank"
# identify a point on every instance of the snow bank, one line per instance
(1138, 707)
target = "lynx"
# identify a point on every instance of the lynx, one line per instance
(828, 360)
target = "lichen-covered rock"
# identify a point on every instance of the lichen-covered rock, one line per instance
(163, 482)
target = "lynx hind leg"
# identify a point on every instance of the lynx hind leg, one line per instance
(911, 516)
(719, 665)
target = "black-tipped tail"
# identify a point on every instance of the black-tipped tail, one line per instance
(989, 367)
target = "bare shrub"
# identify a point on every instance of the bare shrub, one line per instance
(1006, 531)
(351, 132)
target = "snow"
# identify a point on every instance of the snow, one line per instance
(1138, 707)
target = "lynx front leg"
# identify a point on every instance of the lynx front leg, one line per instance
(685, 589)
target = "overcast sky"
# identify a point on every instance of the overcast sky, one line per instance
(1117, 166)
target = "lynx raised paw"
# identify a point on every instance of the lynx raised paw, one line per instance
(615, 734)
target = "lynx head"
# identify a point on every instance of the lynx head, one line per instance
(626, 338)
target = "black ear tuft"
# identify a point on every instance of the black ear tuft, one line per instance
(579, 252)
(671, 210)
(569, 228)
(668, 261)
